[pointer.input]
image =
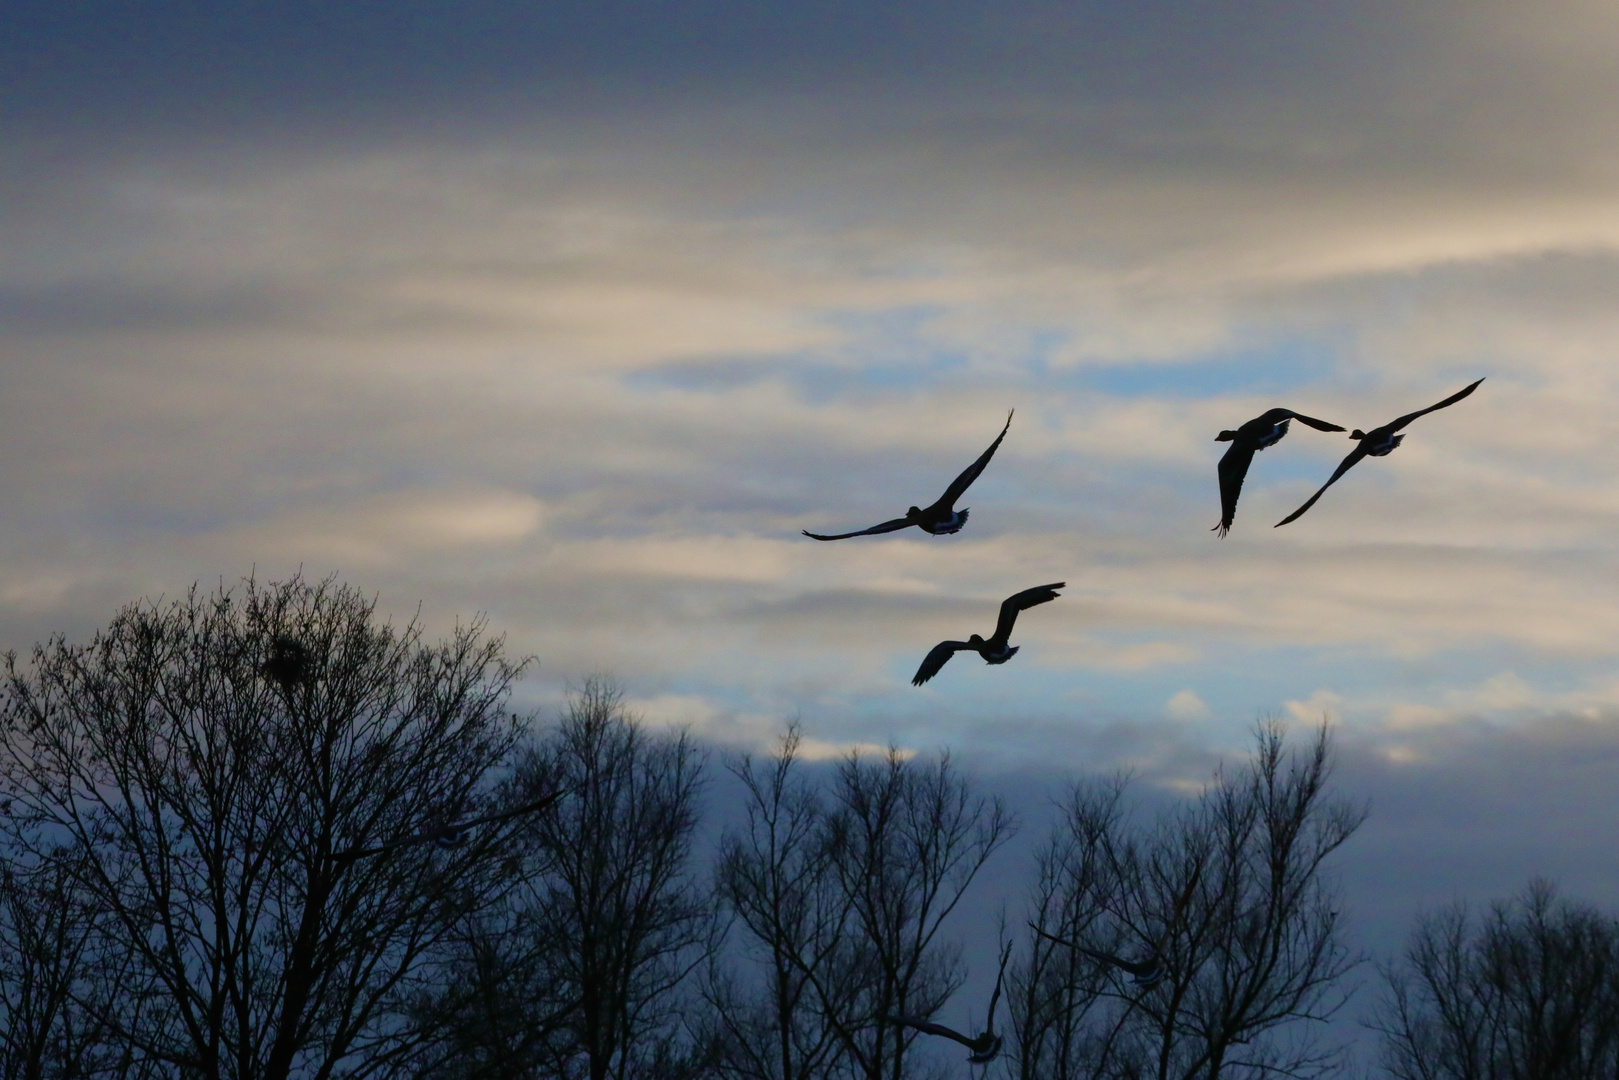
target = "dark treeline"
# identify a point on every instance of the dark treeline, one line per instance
(226, 832)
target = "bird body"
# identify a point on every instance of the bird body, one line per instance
(941, 518)
(1262, 431)
(994, 650)
(1378, 442)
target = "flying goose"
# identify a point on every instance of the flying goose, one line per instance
(1377, 442)
(1144, 973)
(942, 517)
(452, 834)
(988, 1044)
(1263, 430)
(995, 650)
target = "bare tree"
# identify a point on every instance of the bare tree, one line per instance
(495, 1011)
(1065, 1020)
(1229, 894)
(774, 876)
(616, 920)
(45, 931)
(906, 840)
(1531, 990)
(200, 772)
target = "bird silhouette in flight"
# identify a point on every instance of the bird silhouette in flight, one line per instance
(287, 664)
(987, 1044)
(1144, 973)
(1263, 430)
(452, 834)
(942, 517)
(995, 650)
(1378, 442)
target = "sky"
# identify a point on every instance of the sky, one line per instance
(572, 316)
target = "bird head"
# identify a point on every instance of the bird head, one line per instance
(1357, 434)
(1225, 436)
(914, 512)
(975, 640)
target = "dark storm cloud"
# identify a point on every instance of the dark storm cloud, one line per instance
(309, 65)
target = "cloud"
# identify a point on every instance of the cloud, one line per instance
(592, 370)
(1186, 705)
(387, 528)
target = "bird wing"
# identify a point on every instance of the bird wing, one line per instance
(1129, 966)
(1451, 400)
(885, 527)
(406, 841)
(1343, 466)
(927, 1027)
(526, 808)
(427, 836)
(936, 659)
(958, 487)
(1017, 602)
(1319, 425)
(994, 998)
(1233, 468)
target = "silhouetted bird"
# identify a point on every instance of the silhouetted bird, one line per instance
(1144, 973)
(940, 518)
(452, 834)
(1264, 430)
(995, 650)
(987, 1044)
(1377, 442)
(288, 662)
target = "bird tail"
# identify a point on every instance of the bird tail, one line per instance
(1222, 527)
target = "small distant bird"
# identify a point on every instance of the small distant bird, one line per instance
(453, 834)
(1377, 442)
(987, 1045)
(942, 517)
(995, 650)
(1144, 973)
(1263, 430)
(287, 664)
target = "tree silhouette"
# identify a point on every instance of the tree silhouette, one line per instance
(1229, 892)
(581, 970)
(774, 875)
(193, 791)
(1530, 990)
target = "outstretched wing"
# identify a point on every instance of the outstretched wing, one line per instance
(1451, 400)
(887, 526)
(927, 1027)
(994, 999)
(1343, 466)
(407, 841)
(936, 659)
(1319, 425)
(1017, 602)
(526, 808)
(452, 830)
(1140, 970)
(958, 487)
(1233, 468)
